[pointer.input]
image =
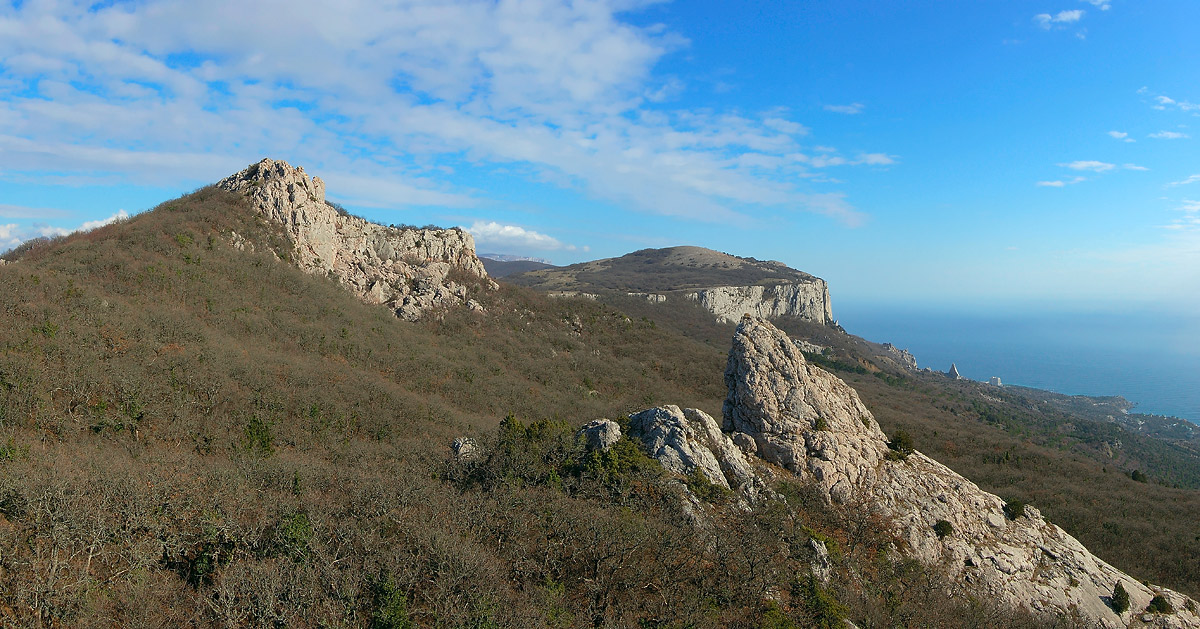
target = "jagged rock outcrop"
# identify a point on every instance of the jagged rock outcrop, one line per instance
(813, 424)
(807, 300)
(903, 357)
(600, 434)
(953, 373)
(465, 449)
(685, 441)
(405, 269)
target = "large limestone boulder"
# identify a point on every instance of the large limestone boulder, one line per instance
(800, 416)
(685, 441)
(815, 425)
(405, 269)
(600, 434)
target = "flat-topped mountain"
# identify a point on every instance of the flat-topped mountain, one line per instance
(726, 285)
(662, 270)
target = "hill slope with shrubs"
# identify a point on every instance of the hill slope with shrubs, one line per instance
(193, 434)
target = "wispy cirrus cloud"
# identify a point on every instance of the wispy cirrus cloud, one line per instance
(1060, 19)
(1187, 181)
(1190, 219)
(1092, 165)
(851, 109)
(1162, 102)
(1121, 135)
(1168, 135)
(1059, 183)
(1103, 5)
(407, 95)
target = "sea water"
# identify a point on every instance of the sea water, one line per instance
(1151, 359)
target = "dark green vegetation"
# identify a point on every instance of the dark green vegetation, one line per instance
(1120, 599)
(197, 435)
(661, 270)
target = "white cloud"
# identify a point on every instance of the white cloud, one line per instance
(392, 92)
(1058, 183)
(1134, 167)
(90, 225)
(1103, 5)
(1092, 165)
(829, 158)
(1163, 102)
(852, 108)
(875, 159)
(512, 238)
(1190, 180)
(1121, 135)
(1190, 221)
(14, 234)
(1046, 21)
(1168, 135)
(832, 204)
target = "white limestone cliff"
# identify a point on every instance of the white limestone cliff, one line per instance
(807, 300)
(403, 268)
(802, 418)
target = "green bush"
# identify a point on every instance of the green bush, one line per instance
(705, 489)
(901, 444)
(259, 439)
(391, 606)
(1014, 509)
(1160, 605)
(1120, 599)
(1139, 476)
(943, 528)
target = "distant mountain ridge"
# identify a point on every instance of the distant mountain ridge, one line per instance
(505, 257)
(497, 267)
(726, 285)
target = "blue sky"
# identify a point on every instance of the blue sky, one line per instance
(987, 154)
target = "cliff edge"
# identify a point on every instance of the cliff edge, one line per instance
(726, 285)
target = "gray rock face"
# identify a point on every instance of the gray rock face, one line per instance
(685, 441)
(812, 423)
(953, 373)
(807, 300)
(600, 434)
(405, 269)
(801, 417)
(902, 356)
(465, 449)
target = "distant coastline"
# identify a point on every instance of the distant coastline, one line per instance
(1150, 360)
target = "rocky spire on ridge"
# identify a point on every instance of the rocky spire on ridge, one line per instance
(405, 269)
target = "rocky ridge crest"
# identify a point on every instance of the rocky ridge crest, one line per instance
(784, 410)
(406, 269)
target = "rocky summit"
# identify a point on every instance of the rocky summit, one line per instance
(408, 270)
(786, 411)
